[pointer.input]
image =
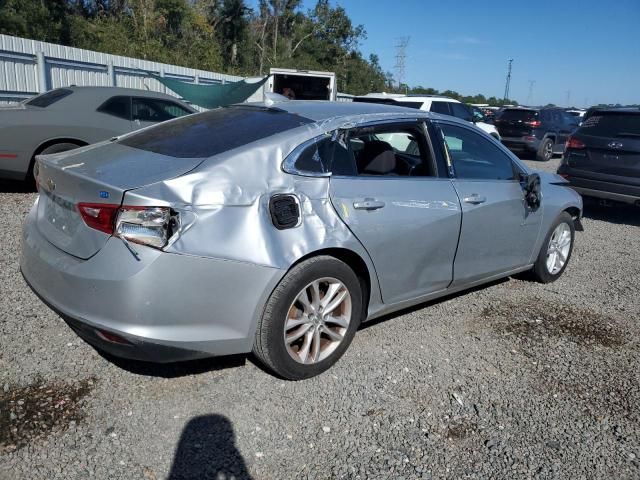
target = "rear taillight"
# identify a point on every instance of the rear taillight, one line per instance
(534, 123)
(574, 143)
(152, 226)
(100, 216)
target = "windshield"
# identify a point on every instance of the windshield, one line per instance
(612, 124)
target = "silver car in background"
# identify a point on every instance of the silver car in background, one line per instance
(279, 229)
(70, 117)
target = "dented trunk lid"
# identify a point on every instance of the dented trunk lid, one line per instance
(100, 173)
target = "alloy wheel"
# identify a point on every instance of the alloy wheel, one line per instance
(558, 249)
(317, 320)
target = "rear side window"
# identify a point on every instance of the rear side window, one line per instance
(321, 156)
(612, 124)
(461, 111)
(118, 107)
(155, 110)
(519, 115)
(210, 133)
(49, 98)
(440, 107)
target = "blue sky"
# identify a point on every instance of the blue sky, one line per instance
(588, 50)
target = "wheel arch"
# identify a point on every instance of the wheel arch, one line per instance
(55, 141)
(355, 262)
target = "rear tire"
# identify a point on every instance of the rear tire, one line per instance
(292, 339)
(545, 151)
(557, 245)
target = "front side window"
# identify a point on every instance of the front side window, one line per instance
(155, 110)
(475, 157)
(440, 107)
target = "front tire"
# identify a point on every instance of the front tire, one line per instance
(556, 250)
(310, 318)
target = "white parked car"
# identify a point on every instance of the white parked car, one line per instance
(433, 103)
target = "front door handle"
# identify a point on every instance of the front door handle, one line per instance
(475, 199)
(368, 204)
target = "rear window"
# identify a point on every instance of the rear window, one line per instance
(49, 98)
(213, 132)
(612, 124)
(417, 105)
(519, 115)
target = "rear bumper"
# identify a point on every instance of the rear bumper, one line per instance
(168, 307)
(521, 143)
(617, 192)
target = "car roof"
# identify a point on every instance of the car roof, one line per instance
(97, 95)
(632, 110)
(399, 97)
(324, 110)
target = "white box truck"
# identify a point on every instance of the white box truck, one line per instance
(302, 84)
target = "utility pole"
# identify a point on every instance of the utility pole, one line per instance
(530, 95)
(508, 82)
(568, 98)
(401, 55)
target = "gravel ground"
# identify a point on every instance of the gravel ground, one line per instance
(514, 380)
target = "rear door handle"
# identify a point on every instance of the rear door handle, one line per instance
(368, 204)
(475, 199)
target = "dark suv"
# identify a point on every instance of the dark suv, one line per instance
(602, 158)
(540, 130)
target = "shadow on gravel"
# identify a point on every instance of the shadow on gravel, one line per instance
(207, 450)
(615, 213)
(178, 369)
(428, 304)
(16, 186)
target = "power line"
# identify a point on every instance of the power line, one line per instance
(508, 82)
(401, 55)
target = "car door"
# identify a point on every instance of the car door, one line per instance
(498, 229)
(148, 111)
(400, 206)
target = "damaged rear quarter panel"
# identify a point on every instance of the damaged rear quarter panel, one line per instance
(224, 204)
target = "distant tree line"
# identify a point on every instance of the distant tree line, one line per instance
(217, 35)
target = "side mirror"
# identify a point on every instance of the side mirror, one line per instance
(532, 190)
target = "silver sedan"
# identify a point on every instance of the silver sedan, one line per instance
(279, 228)
(70, 117)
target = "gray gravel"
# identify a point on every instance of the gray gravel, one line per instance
(515, 380)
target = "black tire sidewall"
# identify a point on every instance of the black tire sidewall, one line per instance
(281, 299)
(541, 151)
(540, 268)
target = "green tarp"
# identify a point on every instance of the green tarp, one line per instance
(212, 96)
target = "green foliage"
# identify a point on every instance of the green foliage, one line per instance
(218, 35)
